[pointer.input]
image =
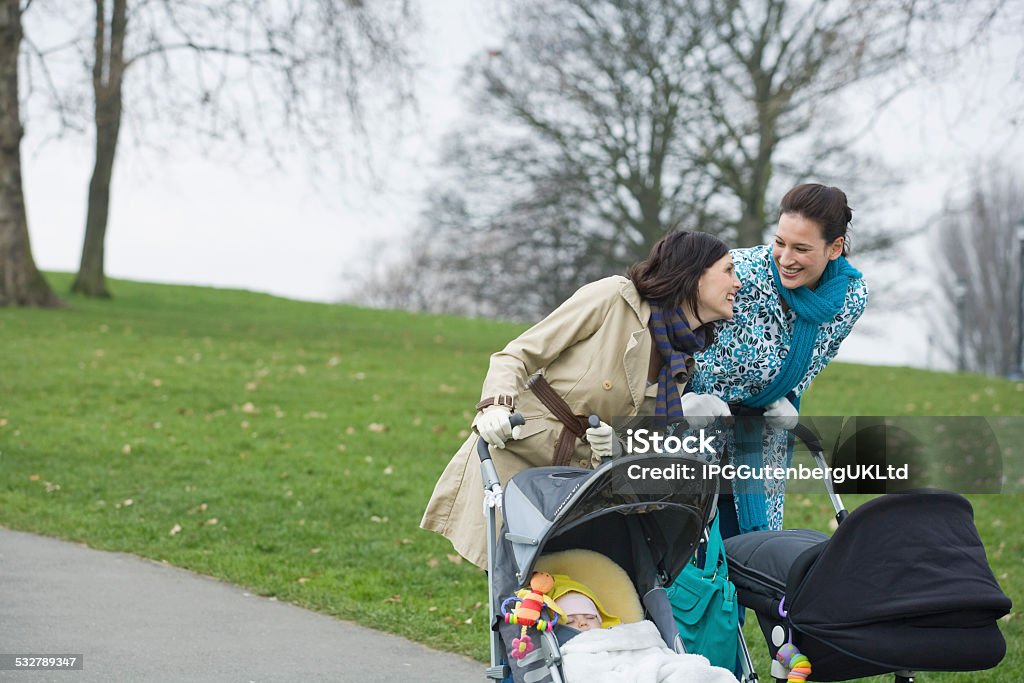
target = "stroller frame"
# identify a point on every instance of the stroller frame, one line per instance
(660, 529)
(779, 671)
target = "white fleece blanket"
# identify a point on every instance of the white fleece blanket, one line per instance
(634, 653)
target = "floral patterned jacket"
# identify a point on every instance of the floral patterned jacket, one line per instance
(751, 348)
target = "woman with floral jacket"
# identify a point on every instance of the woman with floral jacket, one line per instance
(800, 299)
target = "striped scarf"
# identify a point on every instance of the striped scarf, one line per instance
(676, 343)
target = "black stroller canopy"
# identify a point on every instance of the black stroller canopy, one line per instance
(904, 583)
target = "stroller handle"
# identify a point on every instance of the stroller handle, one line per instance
(813, 443)
(515, 419)
(802, 432)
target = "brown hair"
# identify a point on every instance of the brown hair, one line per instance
(669, 275)
(826, 206)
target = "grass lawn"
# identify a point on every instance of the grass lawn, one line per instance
(290, 447)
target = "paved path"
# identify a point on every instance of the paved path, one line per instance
(137, 620)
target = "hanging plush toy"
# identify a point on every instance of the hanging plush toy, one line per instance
(530, 605)
(797, 663)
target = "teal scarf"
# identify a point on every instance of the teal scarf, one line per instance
(812, 307)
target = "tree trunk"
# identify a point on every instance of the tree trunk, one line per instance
(107, 76)
(21, 283)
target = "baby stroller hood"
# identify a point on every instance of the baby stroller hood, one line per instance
(554, 508)
(904, 583)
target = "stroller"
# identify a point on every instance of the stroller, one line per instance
(903, 585)
(650, 532)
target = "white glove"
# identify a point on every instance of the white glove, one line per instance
(494, 427)
(600, 440)
(700, 410)
(781, 414)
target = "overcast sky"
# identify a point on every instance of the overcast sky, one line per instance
(181, 218)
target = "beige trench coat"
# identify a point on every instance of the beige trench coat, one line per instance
(595, 352)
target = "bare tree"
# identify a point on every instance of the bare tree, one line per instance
(601, 124)
(231, 73)
(981, 274)
(770, 80)
(21, 284)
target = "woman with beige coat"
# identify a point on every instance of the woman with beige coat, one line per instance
(618, 347)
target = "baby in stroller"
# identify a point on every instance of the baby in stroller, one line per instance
(593, 643)
(581, 612)
(611, 540)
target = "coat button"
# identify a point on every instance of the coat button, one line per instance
(607, 385)
(583, 462)
(783, 353)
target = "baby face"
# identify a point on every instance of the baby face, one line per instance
(583, 622)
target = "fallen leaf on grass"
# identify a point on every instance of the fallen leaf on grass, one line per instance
(314, 415)
(175, 530)
(314, 551)
(250, 386)
(445, 389)
(212, 521)
(378, 520)
(248, 407)
(34, 477)
(377, 427)
(157, 382)
(437, 429)
(433, 562)
(301, 369)
(468, 621)
(455, 559)
(431, 609)
(394, 599)
(127, 449)
(302, 580)
(389, 470)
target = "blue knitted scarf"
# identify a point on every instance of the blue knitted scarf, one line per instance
(812, 307)
(676, 343)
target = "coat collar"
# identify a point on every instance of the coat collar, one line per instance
(628, 292)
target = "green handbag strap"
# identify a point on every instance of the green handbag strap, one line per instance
(715, 553)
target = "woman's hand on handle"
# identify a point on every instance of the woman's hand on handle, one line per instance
(781, 414)
(700, 410)
(494, 427)
(600, 439)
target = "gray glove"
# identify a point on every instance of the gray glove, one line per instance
(700, 410)
(600, 440)
(781, 414)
